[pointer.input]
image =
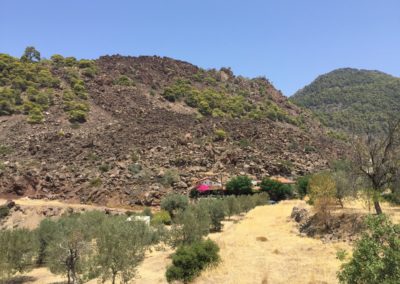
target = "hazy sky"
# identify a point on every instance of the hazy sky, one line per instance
(289, 41)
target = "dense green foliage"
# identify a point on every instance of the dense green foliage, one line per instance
(189, 260)
(351, 99)
(122, 256)
(217, 103)
(376, 256)
(4, 211)
(173, 203)
(276, 190)
(216, 210)
(302, 186)
(239, 185)
(17, 252)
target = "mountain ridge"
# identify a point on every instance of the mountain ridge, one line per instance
(351, 100)
(139, 127)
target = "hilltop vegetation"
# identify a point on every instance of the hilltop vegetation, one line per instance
(351, 99)
(30, 85)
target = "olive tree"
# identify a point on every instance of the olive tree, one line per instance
(174, 202)
(120, 247)
(190, 225)
(70, 252)
(17, 252)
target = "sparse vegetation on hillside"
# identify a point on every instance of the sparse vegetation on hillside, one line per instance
(30, 85)
(211, 102)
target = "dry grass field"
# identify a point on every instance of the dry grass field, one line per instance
(262, 247)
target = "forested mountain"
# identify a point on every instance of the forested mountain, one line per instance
(129, 129)
(351, 99)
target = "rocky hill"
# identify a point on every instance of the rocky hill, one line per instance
(351, 99)
(126, 130)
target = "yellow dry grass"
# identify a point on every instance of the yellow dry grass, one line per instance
(284, 257)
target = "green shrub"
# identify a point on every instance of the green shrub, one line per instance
(89, 72)
(174, 202)
(84, 63)
(276, 190)
(35, 115)
(219, 134)
(376, 256)
(57, 60)
(124, 80)
(95, 182)
(302, 186)
(393, 198)
(161, 217)
(70, 61)
(170, 177)
(104, 168)
(5, 150)
(77, 116)
(4, 211)
(68, 96)
(239, 185)
(189, 261)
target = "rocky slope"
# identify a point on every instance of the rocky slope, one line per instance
(153, 125)
(352, 100)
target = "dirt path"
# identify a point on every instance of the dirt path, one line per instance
(284, 257)
(25, 201)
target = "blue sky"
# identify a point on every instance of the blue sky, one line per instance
(289, 41)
